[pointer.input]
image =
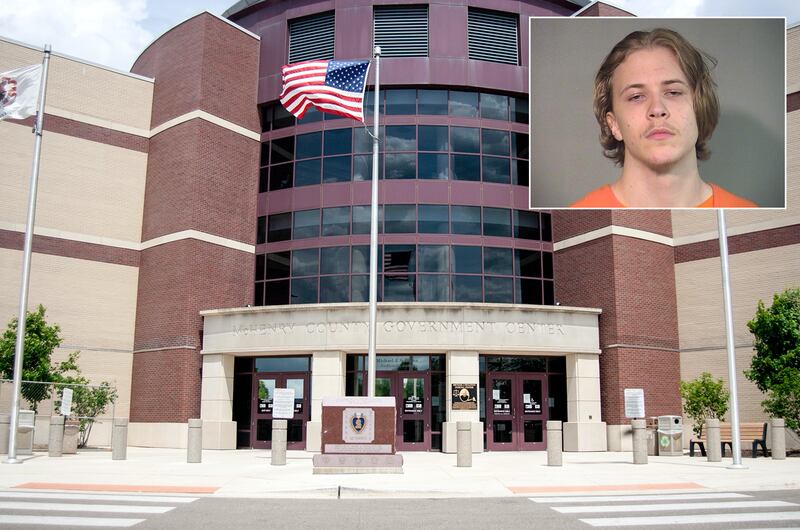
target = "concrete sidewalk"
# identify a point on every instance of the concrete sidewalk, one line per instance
(248, 473)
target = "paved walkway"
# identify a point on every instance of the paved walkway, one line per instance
(248, 473)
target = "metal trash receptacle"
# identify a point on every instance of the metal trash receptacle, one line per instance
(670, 435)
(652, 436)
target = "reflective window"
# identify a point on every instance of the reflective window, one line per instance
(276, 293)
(362, 167)
(360, 255)
(432, 102)
(306, 172)
(547, 265)
(261, 230)
(280, 177)
(305, 262)
(399, 259)
(548, 296)
(263, 180)
(465, 139)
(466, 259)
(498, 261)
(336, 169)
(526, 224)
(400, 218)
(528, 291)
(401, 138)
(433, 138)
(519, 145)
(496, 169)
(361, 219)
(528, 262)
(547, 232)
(497, 222)
(433, 166)
(466, 219)
(306, 224)
(401, 101)
(279, 227)
(277, 265)
(519, 110)
(309, 145)
(334, 289)
(494, 106)
(434, 258)
(359, 289)
(463, 103)
(339, 141)
(433, 288)
(264, 153)
(304, 291)
(336, 221)
(466, 167)
(399, 288)
(498, 290)
(260, 265)
(282, 150)
(495, 142)
(401, 166)
(362, 141)
(334, 260)
(281, 118)
(519, 172)
(433, 219)
(467, 288)
(282, 364)
(312, 115)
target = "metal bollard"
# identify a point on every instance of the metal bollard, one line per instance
(279, 442)
(714, 447)
(464, 444)
(778, 426)
(555, 451)
(639, 441)
(55, 445)
(119, 439)
(194, 445)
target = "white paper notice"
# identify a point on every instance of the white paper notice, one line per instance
(283, 404)
(496, 394)
(526, 398)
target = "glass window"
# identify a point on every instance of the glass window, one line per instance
(306, 172)
(433, 102)
(309, 145)
(547, 232)
(362, 166)
(263, 180)
(401, 101)
(280, 177)
(465, 139)
(401, 138)
(312, 115)
(261, 230)
(399, 288)
(528, 291)
(277, 265)
(526, 224)
(519, 172)
(279, 227)
(401, 166)
(434, 258)
(276, 293)
(260, 266)
(547, 265)
(548, 294)
(362, 141)
(266, 118)
(494, 106)
(338, 141)
(433, 219)
(519, 145)
(466, 219)
(463, 103)
(306, 224)
(361, 219)
(360, 254)
(528, 262)
(305, 262)
(334, 260)
(283, 149)
(359, 289)
(495, 169)
(467, 288)
(466, 167)
(498, 290)
(434, 288)
(336, 169)
(519, 110)
(333, 289)
(400, 218)
(264, 153)
(497, 222)
(498, 261)
(466, 259)
(281, 118)
(494, 142)
(433, 166)
(336, 221)
(399, 258)
(304, 291)
(433, 138)
(282, 364)
(258, 294)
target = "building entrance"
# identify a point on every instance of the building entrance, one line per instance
(516, 411)
(412, 397)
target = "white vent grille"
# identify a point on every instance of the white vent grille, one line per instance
(311, 38)
(493, 36)
(402, 31)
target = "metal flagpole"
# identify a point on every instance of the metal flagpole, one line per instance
(26, 267)
(726, 292)
(373, 236)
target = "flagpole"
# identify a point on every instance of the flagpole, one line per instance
(26, 266)
(373, 236)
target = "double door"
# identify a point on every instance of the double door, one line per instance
(516, 411)
(412, 397)
(264, 385)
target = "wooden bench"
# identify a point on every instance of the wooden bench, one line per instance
(755, 433)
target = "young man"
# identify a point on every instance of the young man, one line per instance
(657, 107)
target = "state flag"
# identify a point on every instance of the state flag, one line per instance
(19, 92)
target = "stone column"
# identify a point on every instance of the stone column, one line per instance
(278, 442)
(5, 422)
(56, 443)
(462, 367)
(119, 439)
(554, 444)
(216, 402)
(194, 442)
(327, 380)
(713, 447)
(777, 426)
(639, 441)
(583, 430)
(464, 442)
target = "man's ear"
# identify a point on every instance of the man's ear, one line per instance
(611, 121)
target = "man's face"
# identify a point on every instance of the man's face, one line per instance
(653, 111)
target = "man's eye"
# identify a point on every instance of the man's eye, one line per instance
(674, 92)
(636, 97)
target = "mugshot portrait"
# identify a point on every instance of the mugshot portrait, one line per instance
(744, 156)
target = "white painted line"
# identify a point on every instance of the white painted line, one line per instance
(665, 497)
(64, 507)
(39, 520)
(683, 506)
(694, 519)
(93, 497)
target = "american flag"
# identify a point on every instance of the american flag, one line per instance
(331, 86)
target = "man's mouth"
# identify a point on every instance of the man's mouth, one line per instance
(659, 133)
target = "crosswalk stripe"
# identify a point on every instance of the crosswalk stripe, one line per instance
(693, 519)
(93, 497)
(64, 507)
(39, 520)
(666, 507)
(616, 498)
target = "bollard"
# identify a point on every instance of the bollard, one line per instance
(119, 439)
(194, 444)
(55, 445)
(554, 444)
(279, 442)
(778, 439)
(639, 441)
(713, 447)
(5, 425)
(72, 430)
(464, 444)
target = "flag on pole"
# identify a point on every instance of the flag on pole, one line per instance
(19, 91)
(330, 86)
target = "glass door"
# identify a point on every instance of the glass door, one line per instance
(264, 385)
(533, 412)
(413, 407)
(500, 412)
(516, 414)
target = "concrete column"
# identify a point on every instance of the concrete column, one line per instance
(464, 458)
(194, 444)
(583, 430)
(278, 442)
(639, 441)
(216, 402)
(119, 439)
(713, 447)
(461, 367)
(71, 431)
(55, 445)
(778, 426)
(327, 380)
(554, 444)
(5, 425)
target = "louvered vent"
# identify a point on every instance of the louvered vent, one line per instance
(311, 38)
(402, 31)
(493, 36)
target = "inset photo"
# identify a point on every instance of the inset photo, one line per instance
(657, 113)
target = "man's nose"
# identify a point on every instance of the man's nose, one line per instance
(657, 109)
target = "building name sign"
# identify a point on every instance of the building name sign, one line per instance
(403, 326)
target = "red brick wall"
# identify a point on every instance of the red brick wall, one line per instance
(763, 239)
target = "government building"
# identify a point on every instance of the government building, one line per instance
(201, 247)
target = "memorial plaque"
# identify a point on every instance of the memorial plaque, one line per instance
(358, 425)
(464, 396)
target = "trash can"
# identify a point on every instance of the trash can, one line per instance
(652, 436)
(670, 435)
